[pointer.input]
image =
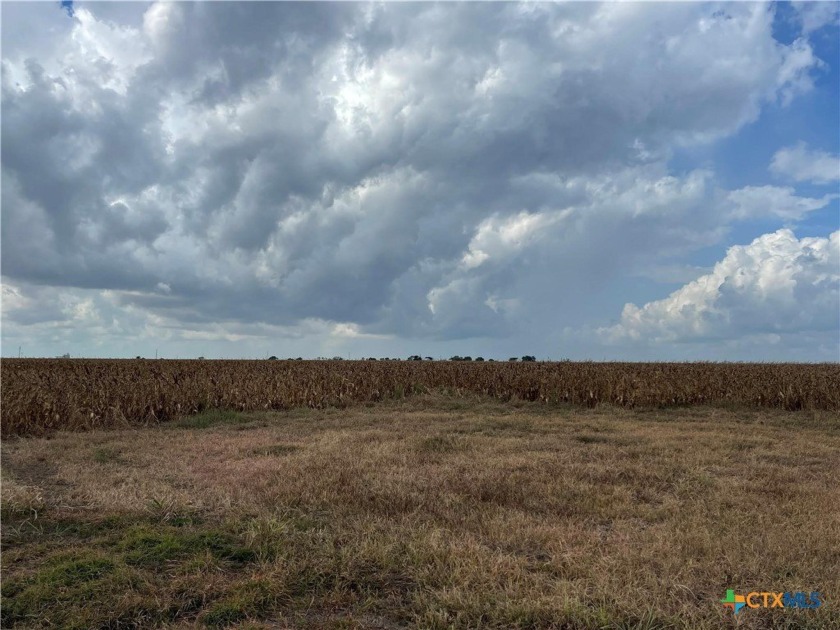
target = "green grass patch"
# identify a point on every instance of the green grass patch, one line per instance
(115, 572)
(61, 592)
(211, 418)
(252, 599)
(75, 570)
(156, 547)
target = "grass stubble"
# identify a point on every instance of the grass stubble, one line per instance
(430, 512)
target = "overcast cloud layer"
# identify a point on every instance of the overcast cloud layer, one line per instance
(242, 179)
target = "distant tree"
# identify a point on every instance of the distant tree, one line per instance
(513, 359)
(415, 357)
(455, 358)
(466, 358)
(492, 360)
(479, 358)
(202, 358)
(372, 359)
(271, 358)
(528, 357)
(429, 359)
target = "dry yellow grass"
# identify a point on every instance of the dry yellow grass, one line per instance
(432, 512)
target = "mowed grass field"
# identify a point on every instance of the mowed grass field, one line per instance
(427, 512)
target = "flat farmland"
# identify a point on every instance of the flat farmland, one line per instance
(41, 395)
(421, 504)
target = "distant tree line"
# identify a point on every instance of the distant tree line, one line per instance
(413, 357)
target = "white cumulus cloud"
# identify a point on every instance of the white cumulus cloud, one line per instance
(753, 202)
(806, 165)
(777, 285)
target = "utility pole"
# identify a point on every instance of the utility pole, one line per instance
(18, 352)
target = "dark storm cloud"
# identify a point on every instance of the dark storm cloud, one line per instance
(430, 170)
(61, 164)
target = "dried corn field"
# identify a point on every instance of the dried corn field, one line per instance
(41, 395)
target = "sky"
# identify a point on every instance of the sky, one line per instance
(614, 181)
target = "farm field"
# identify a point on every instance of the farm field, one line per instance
(431, 511)
(42, 395)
